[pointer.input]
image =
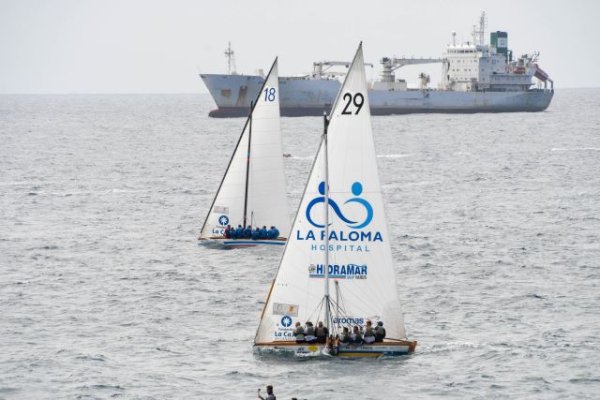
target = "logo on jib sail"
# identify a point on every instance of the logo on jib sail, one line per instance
(356, 214)
(284, 329)
(222, 222)
(337, 271)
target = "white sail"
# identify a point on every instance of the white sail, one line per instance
(361, 273)
(254, 180)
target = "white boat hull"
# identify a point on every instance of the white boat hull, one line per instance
(374, 350)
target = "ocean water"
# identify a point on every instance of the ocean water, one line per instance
(105, 293)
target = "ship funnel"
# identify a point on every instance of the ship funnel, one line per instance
(499, 41)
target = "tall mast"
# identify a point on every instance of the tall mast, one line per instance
(326, 194)
(230, 59)
(248, 165)
(479, 34)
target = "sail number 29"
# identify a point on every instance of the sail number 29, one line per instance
(357, 101)
(270, 94)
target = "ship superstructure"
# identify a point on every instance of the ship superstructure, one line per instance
(476, 77)
(476, 66)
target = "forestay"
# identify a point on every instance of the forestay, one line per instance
(254, 180)
(361, 273)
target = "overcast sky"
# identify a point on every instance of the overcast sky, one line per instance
(145, 46)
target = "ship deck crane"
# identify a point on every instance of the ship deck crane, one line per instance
(322, 68)
(389, 65)
(395, 63)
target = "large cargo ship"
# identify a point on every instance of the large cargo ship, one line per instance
(476, 77)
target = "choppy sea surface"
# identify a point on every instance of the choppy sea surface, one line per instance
(105, 293)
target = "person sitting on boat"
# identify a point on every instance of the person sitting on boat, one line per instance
(379, 332)
(248, 232)
(239, 232)
(309, 333)
(227, 232)
(321, 333)
(299, 333)
(369, 336)
(345, 336)
(256, 234)
(263, 232)
(356, 337)
(273, 233)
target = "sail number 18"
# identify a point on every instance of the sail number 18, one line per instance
(357, 101)
(270, 94)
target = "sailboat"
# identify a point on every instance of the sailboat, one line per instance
(252, 191)
(337, 265)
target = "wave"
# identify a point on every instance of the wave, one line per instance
(576, 149)
(393, 155)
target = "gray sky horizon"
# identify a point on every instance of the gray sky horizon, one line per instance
(135, 46)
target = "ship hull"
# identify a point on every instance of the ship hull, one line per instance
(311, 97)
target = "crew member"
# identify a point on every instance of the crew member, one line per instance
(273, 233)
(355, 337)
(309, 333)
(369, 336)
(263, 233)
(239, 232)
(379, 332)
(321, 333)
(299, 332)
(345, 335)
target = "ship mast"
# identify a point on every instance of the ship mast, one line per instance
(230, 59)
(479, 35)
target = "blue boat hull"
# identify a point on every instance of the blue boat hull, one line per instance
(220, 243)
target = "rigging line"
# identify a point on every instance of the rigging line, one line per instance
(333, 329)
(342, 304)
(344, 314)
(318, 309)
(339, 305)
